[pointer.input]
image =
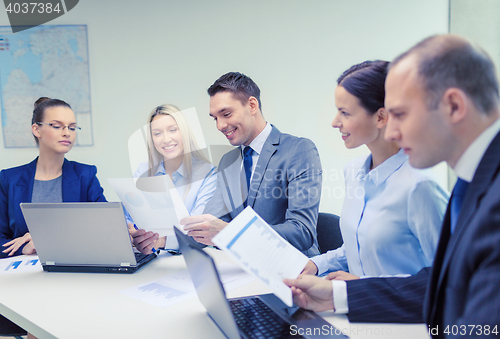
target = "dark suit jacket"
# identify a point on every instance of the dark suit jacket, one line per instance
(463, 288)
(285, 188)
(79, 184)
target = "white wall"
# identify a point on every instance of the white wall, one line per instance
(145, 53)
(477, 21)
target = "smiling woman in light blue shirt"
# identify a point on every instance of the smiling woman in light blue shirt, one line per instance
(173, 151)
(392, 213)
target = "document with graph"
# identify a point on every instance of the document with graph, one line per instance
(153, 202)
(20, 264)
(261, 251)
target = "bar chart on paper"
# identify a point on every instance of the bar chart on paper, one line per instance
(261, 251)
(178, 286)
(19, 265)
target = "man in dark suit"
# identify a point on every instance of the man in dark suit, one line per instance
(277, 174)
(443, 102)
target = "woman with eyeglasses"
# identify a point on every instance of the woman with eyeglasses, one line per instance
(48, 178)
(173, 151)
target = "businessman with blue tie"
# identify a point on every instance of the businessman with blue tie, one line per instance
(443, 102)
(277, 174)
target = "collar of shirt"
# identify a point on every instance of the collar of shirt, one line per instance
(467, 163)
(175, 176)
(380, 173)
(258, 143)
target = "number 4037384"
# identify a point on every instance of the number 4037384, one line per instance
(32, 7)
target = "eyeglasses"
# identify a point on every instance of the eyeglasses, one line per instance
(58, 126)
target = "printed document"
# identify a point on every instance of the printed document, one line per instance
(261, 251)
(153, 202)
(178, 286)
(20, 264)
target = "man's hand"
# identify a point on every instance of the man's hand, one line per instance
(341, 275)
(312, 293)
(145, 241)
(14, 245)
(310, 268)
(203, 227)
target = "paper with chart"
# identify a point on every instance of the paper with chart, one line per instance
(153, 202)
(259, 250)
(179, 286)
(20, 264)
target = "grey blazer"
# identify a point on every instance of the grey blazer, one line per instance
(285, 189)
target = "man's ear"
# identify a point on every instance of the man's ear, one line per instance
(253, 103)
(382, 117)
(454, 104)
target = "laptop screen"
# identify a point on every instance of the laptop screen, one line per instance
(207, 283)
(79, 234)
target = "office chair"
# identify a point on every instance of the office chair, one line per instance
(9, 329)
(328, 229)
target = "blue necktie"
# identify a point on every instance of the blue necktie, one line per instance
(456, 202)
(247, 163)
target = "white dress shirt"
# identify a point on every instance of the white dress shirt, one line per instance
(257, 144)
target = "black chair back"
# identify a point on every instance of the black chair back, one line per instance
(9, 329)
(328, 229)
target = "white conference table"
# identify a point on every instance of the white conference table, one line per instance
(83, 305)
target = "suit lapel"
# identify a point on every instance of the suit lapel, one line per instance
(485, 174)
(70, 183)
(270, 147)
(429, 305)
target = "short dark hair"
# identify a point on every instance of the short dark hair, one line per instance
(366, 81)
(446, 61)
(242, 87)
(39, 109)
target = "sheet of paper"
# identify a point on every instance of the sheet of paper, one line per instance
(178, 286)
(20, 264)
(259, 250)
(153, 202)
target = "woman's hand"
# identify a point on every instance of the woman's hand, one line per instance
(341, 275)
(310, 268)
(15, 244)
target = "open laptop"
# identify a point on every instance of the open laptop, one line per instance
(82, 237)
(261, 316)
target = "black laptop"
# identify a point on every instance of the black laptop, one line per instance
(260, 316)
(88, 237)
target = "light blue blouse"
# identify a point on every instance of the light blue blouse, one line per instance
(390, 221)
(199, 191)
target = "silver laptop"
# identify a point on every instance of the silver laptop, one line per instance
(259, 316)
(82, 237)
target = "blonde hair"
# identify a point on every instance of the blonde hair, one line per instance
(191, 148)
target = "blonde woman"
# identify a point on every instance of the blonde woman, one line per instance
(173, 151)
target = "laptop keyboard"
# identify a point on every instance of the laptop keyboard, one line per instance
(141, 259)
(257, 320)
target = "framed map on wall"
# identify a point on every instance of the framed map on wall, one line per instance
(43, 61)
